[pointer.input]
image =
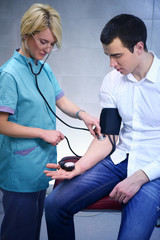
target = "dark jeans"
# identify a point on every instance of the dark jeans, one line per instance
(22, 215)
(139, 215)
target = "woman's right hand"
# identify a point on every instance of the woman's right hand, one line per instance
(52, 136)
(12, 129)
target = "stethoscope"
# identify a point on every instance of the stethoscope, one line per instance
(36, 81)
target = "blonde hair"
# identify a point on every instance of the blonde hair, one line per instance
(38, 18)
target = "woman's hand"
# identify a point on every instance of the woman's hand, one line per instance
(69, 108)
(12, 129)
(92, 123)
(52, 136)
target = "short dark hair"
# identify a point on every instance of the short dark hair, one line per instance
(128, 28)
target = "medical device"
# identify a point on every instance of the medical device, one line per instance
(110, 122)
(68, 166)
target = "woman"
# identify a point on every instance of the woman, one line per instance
(27, 123)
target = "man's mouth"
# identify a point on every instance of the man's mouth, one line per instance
(119, 69)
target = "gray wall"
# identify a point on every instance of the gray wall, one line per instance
(80, 65)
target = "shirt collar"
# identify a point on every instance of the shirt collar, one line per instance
(23, 59)
(152, 73)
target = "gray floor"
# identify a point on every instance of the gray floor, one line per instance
(92, 225)
(97, 226)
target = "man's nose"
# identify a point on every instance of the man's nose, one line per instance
(113, 62)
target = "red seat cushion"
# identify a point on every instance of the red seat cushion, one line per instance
(105, 203)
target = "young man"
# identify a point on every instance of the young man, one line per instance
(131, 174)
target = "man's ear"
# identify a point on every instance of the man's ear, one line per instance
(139, 48)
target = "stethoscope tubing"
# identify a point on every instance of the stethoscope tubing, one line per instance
(36, 80)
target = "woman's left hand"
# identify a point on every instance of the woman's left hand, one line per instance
(92, 123)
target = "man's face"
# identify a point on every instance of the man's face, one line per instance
(121, 58)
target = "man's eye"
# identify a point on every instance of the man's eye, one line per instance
(118, 56)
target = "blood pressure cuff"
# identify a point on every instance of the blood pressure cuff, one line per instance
(110, 121)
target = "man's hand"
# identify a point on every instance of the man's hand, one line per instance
(61, 174)
(126, 189)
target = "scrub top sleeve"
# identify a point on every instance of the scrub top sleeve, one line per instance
(8, 93)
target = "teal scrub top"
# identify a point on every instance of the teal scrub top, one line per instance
(23, 160)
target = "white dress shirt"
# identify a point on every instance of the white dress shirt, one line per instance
(138, 104)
